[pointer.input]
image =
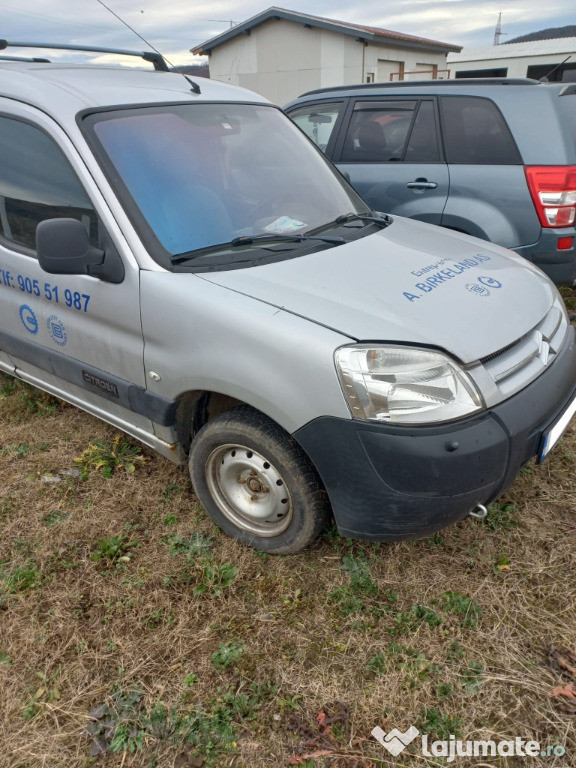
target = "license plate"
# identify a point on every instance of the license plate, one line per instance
(555, 432)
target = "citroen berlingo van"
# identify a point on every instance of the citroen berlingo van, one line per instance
(182, 262)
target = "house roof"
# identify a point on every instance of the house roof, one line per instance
(370, 34)
(557, 46)
(550, 33)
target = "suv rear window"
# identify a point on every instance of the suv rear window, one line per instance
(378, 131)
(568, 106)
(386, 131)
(475, 133)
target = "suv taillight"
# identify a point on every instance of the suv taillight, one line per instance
(553, 190)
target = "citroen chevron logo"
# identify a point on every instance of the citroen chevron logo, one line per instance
(395, 741)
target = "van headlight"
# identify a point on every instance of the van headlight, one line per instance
(403, 385)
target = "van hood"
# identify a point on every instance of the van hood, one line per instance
(411, 283)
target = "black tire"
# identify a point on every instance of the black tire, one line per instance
(257, 484)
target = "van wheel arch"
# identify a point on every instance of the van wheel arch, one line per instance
(196, 408)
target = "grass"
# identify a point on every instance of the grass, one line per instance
(134, 634)
(107, 457)
(114, 549)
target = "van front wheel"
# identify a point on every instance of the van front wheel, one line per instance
(257, 484)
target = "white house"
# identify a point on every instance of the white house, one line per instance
(281, 53)
(534, 59)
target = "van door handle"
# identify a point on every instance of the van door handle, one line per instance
(421, 184)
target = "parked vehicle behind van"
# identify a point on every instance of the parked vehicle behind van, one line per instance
(494, 158)
(183, 263)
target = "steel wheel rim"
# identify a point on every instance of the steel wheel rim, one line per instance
(248, 490)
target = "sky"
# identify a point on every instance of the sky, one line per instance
(175, 26)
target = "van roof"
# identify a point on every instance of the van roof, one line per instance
(62, 90)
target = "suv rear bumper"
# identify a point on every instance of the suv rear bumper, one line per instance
(560, 266)
(387, 483)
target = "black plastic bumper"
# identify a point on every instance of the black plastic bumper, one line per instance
(387, 483)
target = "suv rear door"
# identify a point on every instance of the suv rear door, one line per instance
(489, 196)
(391, 150)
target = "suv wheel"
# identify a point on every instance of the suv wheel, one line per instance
(257, 484)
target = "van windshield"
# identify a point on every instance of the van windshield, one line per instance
(195, 176)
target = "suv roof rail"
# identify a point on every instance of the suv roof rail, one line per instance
(151, 56)
(420, 83)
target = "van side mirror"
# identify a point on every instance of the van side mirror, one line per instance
(63, 248)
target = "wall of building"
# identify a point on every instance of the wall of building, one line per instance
(511, 67)
(384, 63)
(281, 59)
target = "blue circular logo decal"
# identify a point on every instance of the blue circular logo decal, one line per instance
(490, 282)
(479, 290)
(57, 331)
(28, 319)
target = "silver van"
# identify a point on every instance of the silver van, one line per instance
(180, 261)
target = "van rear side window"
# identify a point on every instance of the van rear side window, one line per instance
(475, 133)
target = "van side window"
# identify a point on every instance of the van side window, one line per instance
(37, 182)
(317, 121)
(475, 132)
(378, 131)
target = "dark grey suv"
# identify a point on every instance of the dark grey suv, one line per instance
(495, 158)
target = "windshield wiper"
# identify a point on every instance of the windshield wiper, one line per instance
(254, 240)
(251, 239)
(384, 220)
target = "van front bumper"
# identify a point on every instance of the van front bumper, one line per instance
(387, 482)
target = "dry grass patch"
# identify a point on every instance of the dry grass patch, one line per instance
(134, 634)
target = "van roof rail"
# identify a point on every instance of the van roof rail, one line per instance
(25, 58)
(151, 56)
